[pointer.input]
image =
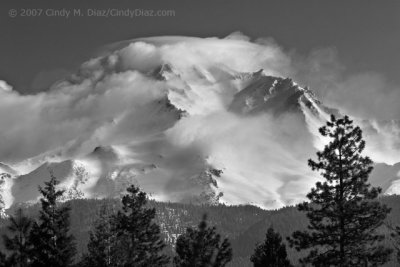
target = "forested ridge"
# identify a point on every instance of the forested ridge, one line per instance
(245, 226)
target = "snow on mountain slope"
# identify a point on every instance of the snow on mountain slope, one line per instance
(7, 169)
(387, 177)
(185, 119)
(274, 95)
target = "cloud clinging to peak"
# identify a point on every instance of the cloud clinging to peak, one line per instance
(118, 100)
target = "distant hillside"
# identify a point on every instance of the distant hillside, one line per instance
(244, 225)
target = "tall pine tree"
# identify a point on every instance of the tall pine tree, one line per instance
(18, 243)
(52, 243)
(102, 246)
(342, 210)
(139, 238)
(271, 253)
(202, 247)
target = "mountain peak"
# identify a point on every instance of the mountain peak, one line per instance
(106, 153)
(163, 72)
(272, 94)
(250, 75)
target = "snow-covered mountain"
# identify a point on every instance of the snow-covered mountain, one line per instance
(184, 125)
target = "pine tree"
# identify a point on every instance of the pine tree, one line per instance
(343, 212)
(271, 253)
(202, 247)
(52, 243)
(139, 238)
(102, 241)
(18, 244)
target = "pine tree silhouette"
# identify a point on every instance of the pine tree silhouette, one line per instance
(202, 247)
(18, 243)
(52, 243)
(271, 253)
(139, 238)
(343, 212)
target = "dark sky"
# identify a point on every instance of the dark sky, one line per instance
(35, 50)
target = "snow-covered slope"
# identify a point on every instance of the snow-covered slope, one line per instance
(4, 168)
(272, 94)
(182, 123)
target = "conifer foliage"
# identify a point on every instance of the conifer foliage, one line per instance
(102, 246)
(271, 253)
(50, 238)
(342, 210)
(202, 247)
(395, 240)
(17, 242)
(139, 238)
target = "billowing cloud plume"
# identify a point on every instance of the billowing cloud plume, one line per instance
(107, 89)
(166, 99)
(262, 157)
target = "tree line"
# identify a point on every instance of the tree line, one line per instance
(344, 222)
(127, 237)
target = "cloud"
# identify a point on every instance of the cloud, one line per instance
(365, 95)
(368, 97)
(320, 69)
(5, 87)
(238, 36)
(262, 155)
(35, 124)
(117, 99)
(45, 78)
(236, 53)
(139, 56)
